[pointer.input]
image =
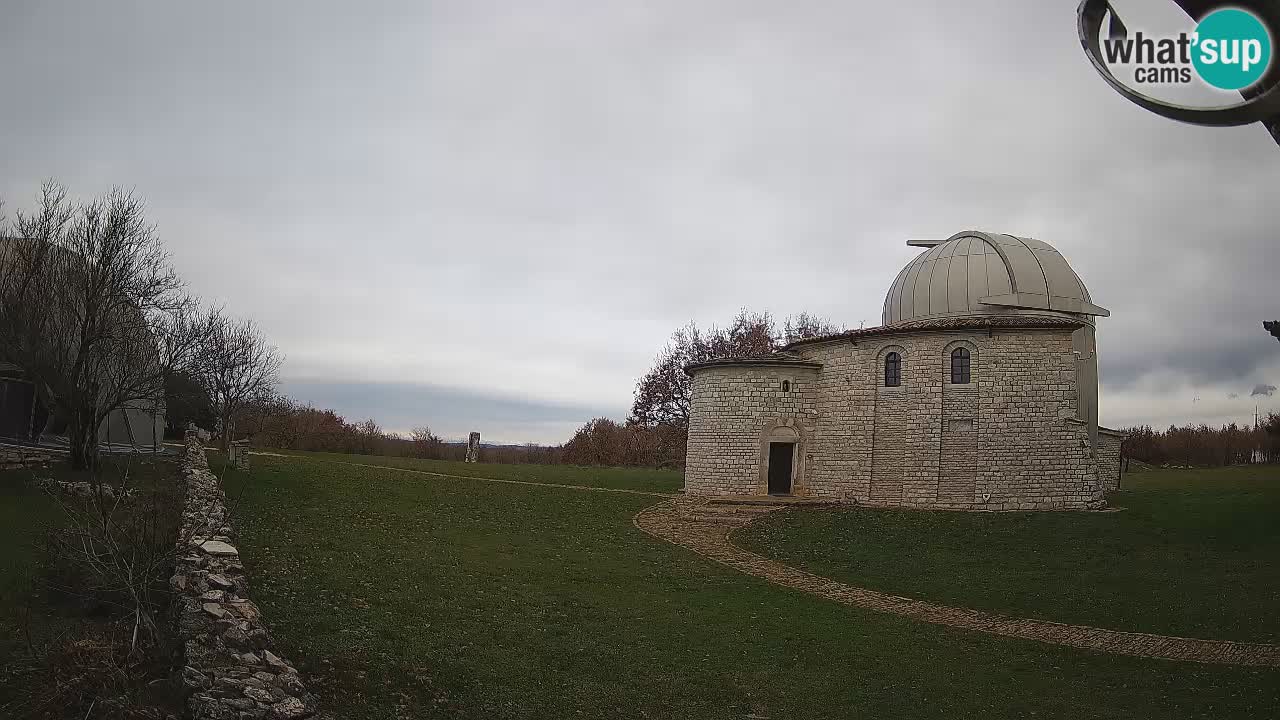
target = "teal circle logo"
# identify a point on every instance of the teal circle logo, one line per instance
(1232, 49)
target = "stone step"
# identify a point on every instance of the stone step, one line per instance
(763, 500)
(735, 509)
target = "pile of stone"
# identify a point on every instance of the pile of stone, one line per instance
(231, 667)
(80, 489)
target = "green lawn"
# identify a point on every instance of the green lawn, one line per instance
(413, 596)
(1193, 553)
(645, 480)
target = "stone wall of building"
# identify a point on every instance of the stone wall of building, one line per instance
(1007, 440)
(733, 409)
(1109, 458)
(1035, 453)
(231, 666)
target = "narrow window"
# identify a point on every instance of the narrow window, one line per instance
(960, 366)
(892, 370)
(786, 386)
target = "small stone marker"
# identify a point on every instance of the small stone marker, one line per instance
(239, 451)
(473, 447)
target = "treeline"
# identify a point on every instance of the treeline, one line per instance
(1205, 446)
(283, 423)
(286, 424)
(605, 442)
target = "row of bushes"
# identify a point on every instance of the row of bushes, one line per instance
(1205, 446)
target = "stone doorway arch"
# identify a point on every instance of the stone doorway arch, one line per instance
(775, 437)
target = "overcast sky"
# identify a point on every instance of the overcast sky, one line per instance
(490, 216)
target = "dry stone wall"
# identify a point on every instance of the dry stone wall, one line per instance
(231, 666)
(17, 458)
(1008, 440)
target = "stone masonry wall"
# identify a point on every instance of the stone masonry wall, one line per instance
(959, 458)
(730, 410)
(231, 667)
(1034, 456)
(1109, 458)
(1008, 440)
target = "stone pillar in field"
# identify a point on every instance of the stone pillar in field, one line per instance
(239, 451)
(473, 447)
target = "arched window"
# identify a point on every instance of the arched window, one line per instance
(960, 366)
(786, 386)
(892, 370)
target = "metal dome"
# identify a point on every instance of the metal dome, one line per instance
(980, 273)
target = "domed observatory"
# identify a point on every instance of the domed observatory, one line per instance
(978, 391)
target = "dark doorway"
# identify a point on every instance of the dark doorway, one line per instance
(780, 454)
(16, 400)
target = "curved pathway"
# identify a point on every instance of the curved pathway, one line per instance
(668, 521)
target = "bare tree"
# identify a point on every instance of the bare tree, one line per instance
(240, 368)
(91, 310)
(806, 326)
(663, 394)
(426, 444)
(367, 435)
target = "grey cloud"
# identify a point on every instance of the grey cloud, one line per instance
(522, 200)
(1261, 389)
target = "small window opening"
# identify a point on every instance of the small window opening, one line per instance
(892, 370)
(960, 366)
(786, 386)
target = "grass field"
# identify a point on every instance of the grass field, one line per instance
(1193, 553)
(408, 595)
(640, 479)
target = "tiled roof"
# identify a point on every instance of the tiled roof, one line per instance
(780, 359)
(952, 323)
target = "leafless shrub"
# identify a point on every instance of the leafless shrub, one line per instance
(240, 368)
(109, 556)
(604, 442)
(116, 547)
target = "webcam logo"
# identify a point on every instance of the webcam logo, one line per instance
(1230, 49)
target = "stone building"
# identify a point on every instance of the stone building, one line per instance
(978, 391)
